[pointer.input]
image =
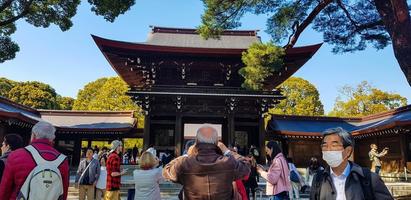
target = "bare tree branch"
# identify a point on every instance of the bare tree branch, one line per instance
(307, 21)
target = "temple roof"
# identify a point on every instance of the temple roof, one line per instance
(292, 125)
(89, 119)
(67, 120)
(182, 37)
(12, 110)
(165, 46)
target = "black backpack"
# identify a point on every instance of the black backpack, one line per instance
(366, 184)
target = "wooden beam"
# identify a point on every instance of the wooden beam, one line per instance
(178, 135)
(146, 136)
(261, 140)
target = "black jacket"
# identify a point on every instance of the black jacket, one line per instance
(323, 188)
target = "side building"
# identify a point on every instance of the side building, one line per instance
(300, 137)
(72, 127)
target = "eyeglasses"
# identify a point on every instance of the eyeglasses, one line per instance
(332, 147)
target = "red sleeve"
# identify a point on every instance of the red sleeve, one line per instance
(116, 164)
(64, 171)
(113, 164)
(6, 186)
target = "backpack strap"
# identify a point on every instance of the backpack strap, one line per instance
(40, 160)
(319, 176)
(366, 184)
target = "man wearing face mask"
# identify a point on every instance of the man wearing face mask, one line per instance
(344, 179)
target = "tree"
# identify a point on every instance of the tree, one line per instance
(5, 86)
(302, 98)
(107, 94)
(112, 97)
(42, 13)
(88, 94)
(365, 100)
(348, 25)
(65, 103)
(260, 60)
(34, 94)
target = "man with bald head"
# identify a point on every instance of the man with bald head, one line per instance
(209, 169)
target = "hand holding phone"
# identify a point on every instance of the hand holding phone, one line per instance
(124, 171)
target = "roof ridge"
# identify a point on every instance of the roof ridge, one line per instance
(175, 30)
(18, 105)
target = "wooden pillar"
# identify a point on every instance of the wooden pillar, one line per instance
(178, 135)
(261, 139)
(2, 131)
(76, 152)
(404, 153)
(88, 143)
(231, 129)
(146, 136)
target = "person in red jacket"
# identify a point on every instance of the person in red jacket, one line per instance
(20, 162)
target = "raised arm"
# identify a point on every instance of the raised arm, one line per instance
(173, 169)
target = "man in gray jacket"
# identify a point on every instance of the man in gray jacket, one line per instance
(87, 176)
(344, 179)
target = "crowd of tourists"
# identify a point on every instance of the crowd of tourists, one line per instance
(208, 169)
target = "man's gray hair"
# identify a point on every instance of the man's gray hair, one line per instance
(200, 138)
(345, 136)
(44, 130)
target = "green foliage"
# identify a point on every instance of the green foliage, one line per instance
(107, 94)
(42, 13)
(348, 25)
(260, 60)
(365, 100)
(110, 9)
(128, 143)
(5, 86)
(88, 94)
(65, 103)
(225, 14)
(112, 97)
(302, 98)
(34, 94)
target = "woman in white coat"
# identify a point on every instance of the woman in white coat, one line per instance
(148, 178)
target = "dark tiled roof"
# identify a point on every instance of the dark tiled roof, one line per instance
(309, 126)
(73, 120)
(20, 111)
(316, 125)
(181, 37)
(399, 119)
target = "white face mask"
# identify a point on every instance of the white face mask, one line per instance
(333, 158)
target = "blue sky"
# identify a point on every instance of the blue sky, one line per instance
(68, 60)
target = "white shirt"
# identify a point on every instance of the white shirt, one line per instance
(101, 182)
(339, 182)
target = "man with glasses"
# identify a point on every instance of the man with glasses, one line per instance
(344, 179)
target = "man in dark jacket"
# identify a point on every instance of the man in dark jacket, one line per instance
(345, 179)
(209, 171)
